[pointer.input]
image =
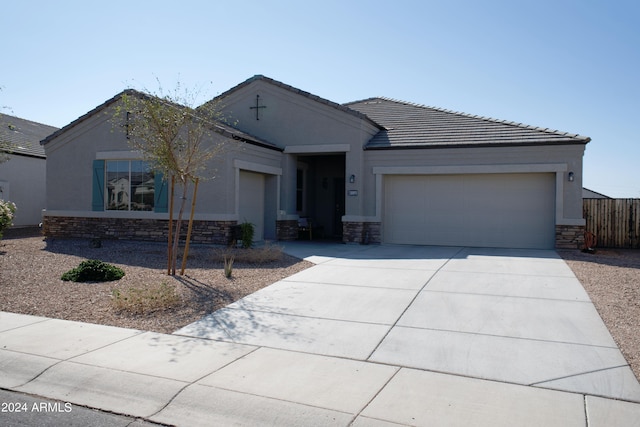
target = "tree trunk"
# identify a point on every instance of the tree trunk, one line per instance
(170, 240)
(193, 211)
(176, 236)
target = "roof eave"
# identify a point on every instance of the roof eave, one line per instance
(474, 145)
(244, 137)
(35, 156)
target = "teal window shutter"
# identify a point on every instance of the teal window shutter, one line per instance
(98, 186)
(161, 199)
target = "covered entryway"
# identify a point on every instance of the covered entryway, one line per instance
(320, 192)
(482, 210)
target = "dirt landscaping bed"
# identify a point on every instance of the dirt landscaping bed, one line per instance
(145, 298)
(611, 277)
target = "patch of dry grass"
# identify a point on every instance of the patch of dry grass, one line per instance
(258, 255)
(145, 300)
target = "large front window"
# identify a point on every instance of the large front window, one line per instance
(130, 185)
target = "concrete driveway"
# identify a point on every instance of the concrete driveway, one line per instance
(515, 316)
(370, 336)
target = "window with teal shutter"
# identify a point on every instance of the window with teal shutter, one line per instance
(161, 198)
(129, 185)
(97, 203)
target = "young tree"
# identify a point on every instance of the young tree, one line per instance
(178, 141)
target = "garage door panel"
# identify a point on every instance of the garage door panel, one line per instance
(494, 210)
(251, 206)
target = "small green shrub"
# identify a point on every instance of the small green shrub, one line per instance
(247, 231)
(93, 270)
(145, 300)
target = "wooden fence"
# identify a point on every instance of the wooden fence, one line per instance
(615, 222)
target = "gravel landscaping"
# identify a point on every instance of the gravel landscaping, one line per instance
(611, 277)
(31, 267)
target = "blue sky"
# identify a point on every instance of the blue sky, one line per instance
(563, 64)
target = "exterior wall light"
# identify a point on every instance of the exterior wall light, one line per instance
(570, 176)
(352, 179)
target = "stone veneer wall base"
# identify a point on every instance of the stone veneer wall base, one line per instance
(361, 232)
(570, 236)
(219, 232)
(287, 229)
(211, 232)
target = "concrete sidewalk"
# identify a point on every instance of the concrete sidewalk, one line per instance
(370, 336)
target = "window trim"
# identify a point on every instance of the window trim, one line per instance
(100, 191)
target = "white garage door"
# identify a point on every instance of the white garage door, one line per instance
(251, 207)
(481, 210)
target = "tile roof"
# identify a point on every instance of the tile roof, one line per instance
(408, 125)
(24, 135)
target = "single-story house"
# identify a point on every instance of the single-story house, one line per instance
(371, 171)
(590, 194)
(22, 176)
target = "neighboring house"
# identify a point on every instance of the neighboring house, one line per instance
(22, 177)
(371, 171)
(590, 194)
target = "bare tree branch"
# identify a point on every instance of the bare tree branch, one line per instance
(176, 138)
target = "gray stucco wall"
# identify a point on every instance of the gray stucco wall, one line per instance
(291, 119)
(69, 161)
(71, 155)
(24, 178)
